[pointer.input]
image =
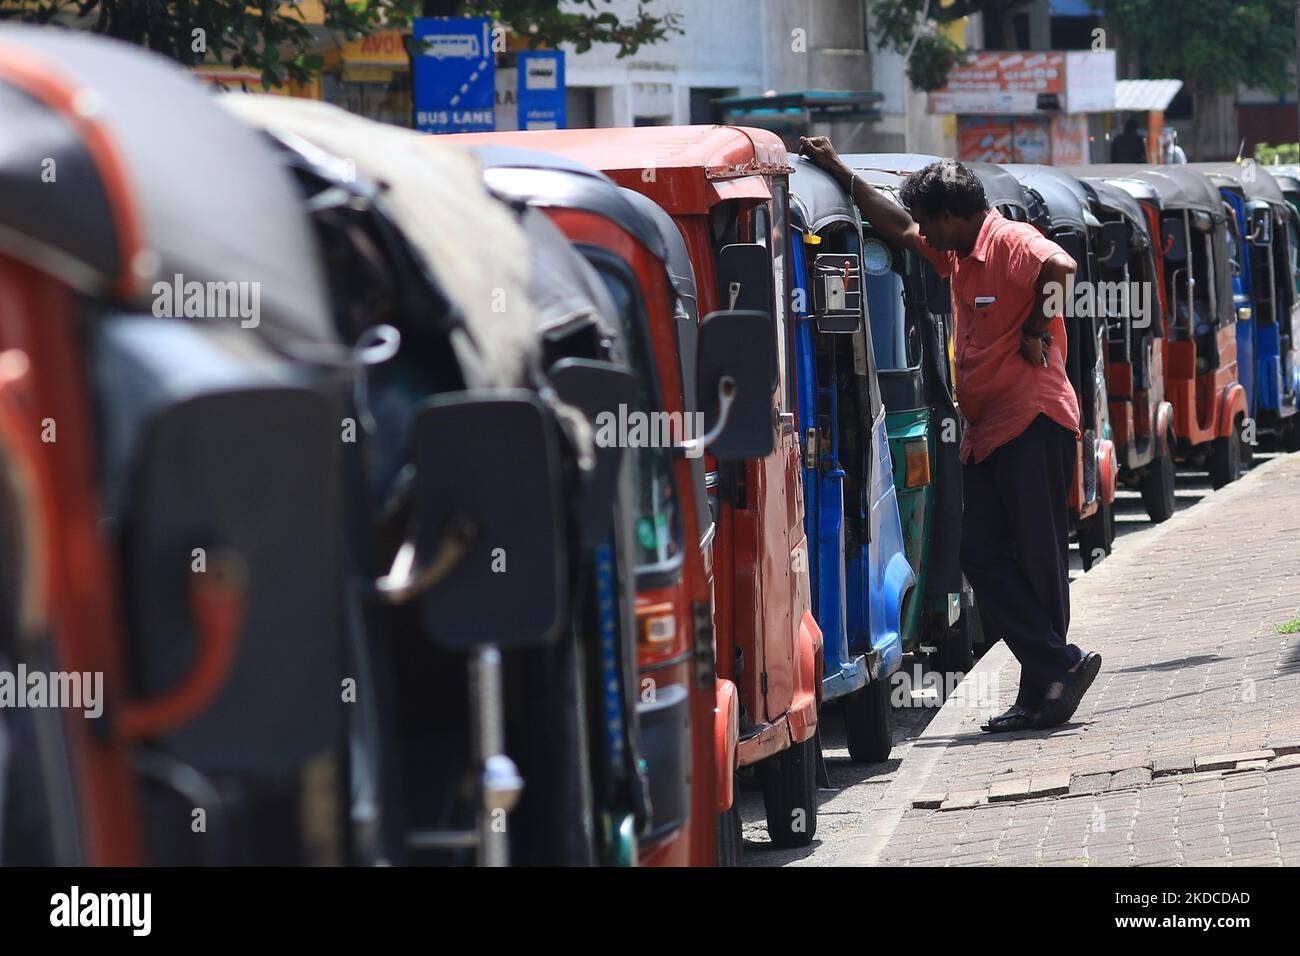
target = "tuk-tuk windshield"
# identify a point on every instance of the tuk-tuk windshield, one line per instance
(894, 334)
(1293, 251)
(658, 526)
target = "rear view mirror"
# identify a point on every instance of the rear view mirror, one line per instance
(745, 278)
(1261, 226)
(737, 350)
(489, 513)
(595, 387)
(1173, 239)
(837, 292)
(1114, 244)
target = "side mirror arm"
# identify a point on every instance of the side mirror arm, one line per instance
(694, 447)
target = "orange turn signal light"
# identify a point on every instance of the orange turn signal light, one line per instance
(656, 625)
(917, 456)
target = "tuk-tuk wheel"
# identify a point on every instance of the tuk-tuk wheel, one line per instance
(1225, 457)
(1157, 486)
(790, 794)
(1291, 434)
(957, 648)
(731, 839)
(869, 723)
(1097, 535)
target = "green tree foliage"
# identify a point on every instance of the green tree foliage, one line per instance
(903, 25)
(1211, 45)
(1282, 153)
(271, 36)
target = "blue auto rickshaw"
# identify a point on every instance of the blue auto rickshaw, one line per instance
(1262, 261)
(910, 313)
(860, 575)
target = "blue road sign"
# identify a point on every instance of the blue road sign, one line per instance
(455, 75)
(541, 90)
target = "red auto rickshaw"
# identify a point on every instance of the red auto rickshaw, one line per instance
(726, 188)
(164, 543)
(636, 249)
(1186, 216)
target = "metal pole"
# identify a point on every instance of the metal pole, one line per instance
(501, 784)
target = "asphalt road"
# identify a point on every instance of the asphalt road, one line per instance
(855, 788)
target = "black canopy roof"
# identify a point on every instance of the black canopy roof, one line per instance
(530, 175)
(892, 162)
(819, 198)
(1000, 187)
(1065, 197)
(1254, 180)
(150, 180)
(1110, 197)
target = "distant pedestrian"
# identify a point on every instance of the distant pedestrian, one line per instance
(1129, 146)
(1022, 418)
(1172, 152)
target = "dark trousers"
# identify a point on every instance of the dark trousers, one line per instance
(1015, 551)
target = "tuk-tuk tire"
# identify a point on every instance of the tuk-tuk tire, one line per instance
(957, 648)
(1157, 486)
(869, 723)
(1225, 457)
(1097, 534)
(790, 786)
(1291, 434)
(731, 839)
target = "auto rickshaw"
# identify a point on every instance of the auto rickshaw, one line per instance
(1200, 348)
(726, 188)
(638, 251)
(497, 602)
(1060, 209)
(163, 536)
(859, 568)
(911, 326)
(1141, 420)
(1263, 266)
(1288, 180)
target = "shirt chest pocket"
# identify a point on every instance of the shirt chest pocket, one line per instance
(986, 324)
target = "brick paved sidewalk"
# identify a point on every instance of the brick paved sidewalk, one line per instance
(1187, 748)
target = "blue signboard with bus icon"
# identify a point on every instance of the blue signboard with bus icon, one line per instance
(455, 75)
(541, 90)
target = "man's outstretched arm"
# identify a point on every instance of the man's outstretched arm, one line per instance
(886, 216)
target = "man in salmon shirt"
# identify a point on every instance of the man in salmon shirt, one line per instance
(1021, 418)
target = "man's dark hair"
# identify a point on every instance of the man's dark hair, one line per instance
(941, 186)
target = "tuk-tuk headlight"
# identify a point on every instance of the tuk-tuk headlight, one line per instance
(1244, 312)
(917, 457)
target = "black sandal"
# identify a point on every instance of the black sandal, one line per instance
(1063, 696)
(1013, 719)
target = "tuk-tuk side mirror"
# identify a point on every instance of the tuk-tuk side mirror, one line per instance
(745, 278)
(737, 350)
(1261, 226)
(1115, 238)
(597, 389)
(1173, 236)
(837, 292)
(489, 555)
